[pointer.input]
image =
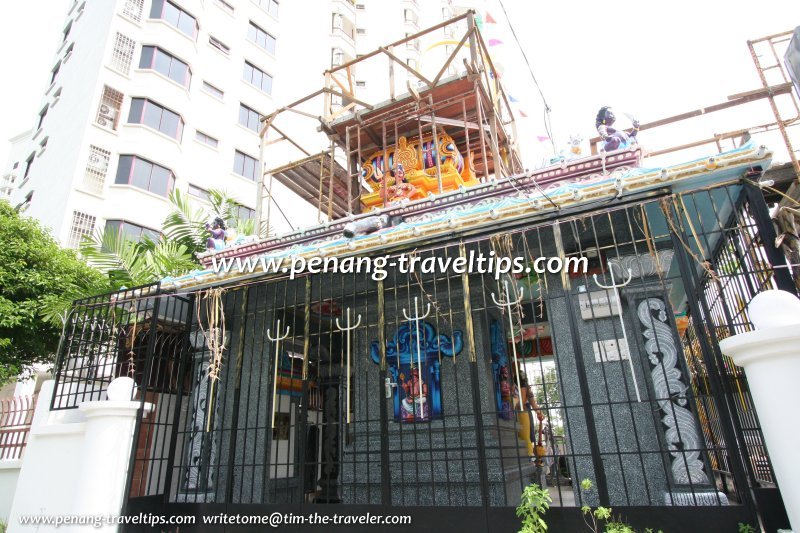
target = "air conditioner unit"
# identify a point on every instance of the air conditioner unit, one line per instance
(107, 115)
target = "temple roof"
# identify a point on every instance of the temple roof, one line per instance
(544, 193)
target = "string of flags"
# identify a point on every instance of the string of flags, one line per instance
(487, 19)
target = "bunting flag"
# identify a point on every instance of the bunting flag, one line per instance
(542, 138)
(512, 99)
(522, 113)
(495, 42)
(489, 19)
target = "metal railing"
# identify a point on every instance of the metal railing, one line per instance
(16, 415)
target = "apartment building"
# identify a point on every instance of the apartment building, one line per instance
(146, 96)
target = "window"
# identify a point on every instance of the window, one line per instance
(250, 118)
(153, 115)
(244, 165)
(361, 31)
(68, 53)
(219, 45)
(110, 105)
(270, 6)
(165, 63)
(133, 9)
(412, 44)
(131, 231)
(26, 203)
(43, 144)
(82, 224)
(411, 62)
(122, 54)
(206, 139)
(245, 213)
(141, 173)
(28, 165)
(410, 16)
(260, 37)
(198, 192)
(54, 73)
(257, 77)
(57, 95)
(213, 91)
(66, 32)
(342, 25)
(174, 16)
(360, 7)
(94, 177)
(42, 114)
(225, 5)
(338, 57)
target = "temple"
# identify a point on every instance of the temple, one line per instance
(446, 390)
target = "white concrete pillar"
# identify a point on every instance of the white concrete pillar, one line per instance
(770, 356)
(105, 458)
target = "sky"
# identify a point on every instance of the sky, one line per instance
(30, 33)
(652, 59)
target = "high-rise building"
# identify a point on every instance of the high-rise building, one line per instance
(146, 96)
(14, 174)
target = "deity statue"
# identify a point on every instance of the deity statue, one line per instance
(614, 139)
(216, 241)
(414, 404)
(400, 189)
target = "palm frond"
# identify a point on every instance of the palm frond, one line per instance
(119, 257)
(170, 258)
(223, 206)
(185, 224)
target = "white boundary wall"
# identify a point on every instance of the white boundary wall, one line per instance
(75, 463)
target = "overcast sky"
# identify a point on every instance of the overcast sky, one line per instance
(654, 59)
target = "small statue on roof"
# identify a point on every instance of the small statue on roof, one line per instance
(614, 139)
(216, 241)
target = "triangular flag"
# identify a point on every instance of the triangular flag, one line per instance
(542, 138)
(512, 99)
(495, 42)
(489, 19)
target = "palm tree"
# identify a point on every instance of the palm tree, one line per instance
(129, 263)
(186, 224)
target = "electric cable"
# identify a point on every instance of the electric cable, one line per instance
(547, 123)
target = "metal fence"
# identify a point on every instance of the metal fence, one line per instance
(16, 415)
(459, 390)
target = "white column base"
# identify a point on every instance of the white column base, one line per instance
(771, 360)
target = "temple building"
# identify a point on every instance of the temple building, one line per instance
(448, 389)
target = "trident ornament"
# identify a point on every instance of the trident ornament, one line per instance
(348, 328)
(507, 303)
(616, 288)
(416, 320)
(277, 340)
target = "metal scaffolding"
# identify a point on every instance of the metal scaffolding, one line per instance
(470, 107)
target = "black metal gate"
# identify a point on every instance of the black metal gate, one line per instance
(449, 390)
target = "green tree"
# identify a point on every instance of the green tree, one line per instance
(38, 280)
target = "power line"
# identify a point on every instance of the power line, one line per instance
(547, 124)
